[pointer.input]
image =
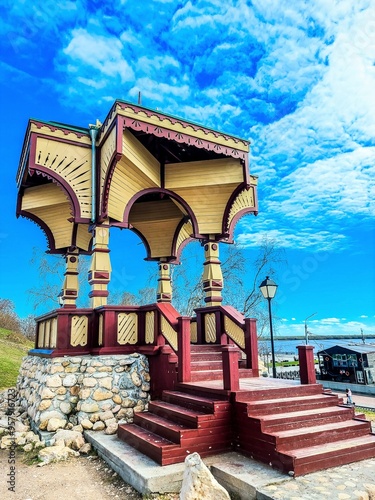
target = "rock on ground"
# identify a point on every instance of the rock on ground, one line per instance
(198, 483)
(56, 453)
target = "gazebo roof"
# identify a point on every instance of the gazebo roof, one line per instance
(166, 178)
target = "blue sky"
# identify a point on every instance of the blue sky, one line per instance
(296, 78)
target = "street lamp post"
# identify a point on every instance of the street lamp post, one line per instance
(306, 330)
(268, 288)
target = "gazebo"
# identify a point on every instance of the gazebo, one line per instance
(167, 180)
(170, 181)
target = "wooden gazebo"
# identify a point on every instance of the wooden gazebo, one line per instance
(166, 179)
(171, 181)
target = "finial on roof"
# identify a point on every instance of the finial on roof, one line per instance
(97, 125)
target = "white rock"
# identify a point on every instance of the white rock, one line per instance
(70, 380)
(85, 449)
(98, 426)
(19, 427)
(86, 424)
(106, 415)
(199, 483)
(370, 489)
(111, 428)
(55, 423)
(56, 453)
(54, 381)
(72, 439)
(7, 441)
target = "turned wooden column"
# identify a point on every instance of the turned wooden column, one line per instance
(164, 292)
(212, 275)
(69, 292)
(100, 267)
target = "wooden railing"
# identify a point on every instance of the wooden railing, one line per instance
(64, 331)
(226, 326)
(156, 330)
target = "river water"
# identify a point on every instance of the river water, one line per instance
(290, 346)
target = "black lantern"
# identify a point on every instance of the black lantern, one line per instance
(268, 288)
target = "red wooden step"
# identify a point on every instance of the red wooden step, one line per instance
(192, 401)
(162, 426)
(305, 418)
(266, 406)
(281, 392)
(206, 365)
(321, 434)
(204, 375)
(246, 373)
(144, 441)
(314, 458)
(179, 414)
(205, 348)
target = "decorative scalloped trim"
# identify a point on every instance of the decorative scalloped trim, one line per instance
(53, 128)
(45, 229)
(149, 113)
(184, 138)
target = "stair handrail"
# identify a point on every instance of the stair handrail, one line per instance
(242, 331)
(168, 324)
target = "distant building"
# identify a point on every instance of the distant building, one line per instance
(348, 363)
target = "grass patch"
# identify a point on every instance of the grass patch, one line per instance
(370, 414)
(31, 457)
(13, 347)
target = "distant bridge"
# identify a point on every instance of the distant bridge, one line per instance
(322, 337)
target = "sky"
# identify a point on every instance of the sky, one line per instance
(294, 77)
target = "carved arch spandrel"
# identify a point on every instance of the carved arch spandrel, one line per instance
(71, 173)
(244, 201)
(47, 206)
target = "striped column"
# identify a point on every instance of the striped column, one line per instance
(69, 292)
(212, 275)
(100, 267)
(164, 292)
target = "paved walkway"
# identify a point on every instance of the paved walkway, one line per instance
(249, 479)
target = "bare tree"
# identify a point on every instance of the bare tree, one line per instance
(8, 317)
(28, 326)
(241, 278)
(51, 270)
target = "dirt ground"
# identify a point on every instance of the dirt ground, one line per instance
(77, 478)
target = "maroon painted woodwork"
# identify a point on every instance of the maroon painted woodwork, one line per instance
(64, 319)
(163, 370)
(179, 424)
(306, 364)
(251, 345)
(184, 367)
(299, 429)
(230, 368)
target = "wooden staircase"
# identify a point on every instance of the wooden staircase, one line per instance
(207, 363)
(300, 429)
(178, 425)
(295, 428)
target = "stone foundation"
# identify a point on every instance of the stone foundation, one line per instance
(95, 392)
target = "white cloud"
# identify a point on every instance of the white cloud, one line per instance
(288, 237)
(326, 327)
(98, 52)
